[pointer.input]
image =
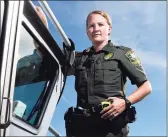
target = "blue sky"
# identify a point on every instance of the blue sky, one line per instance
(138, 25)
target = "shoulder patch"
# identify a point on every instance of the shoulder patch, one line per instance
(133, 58)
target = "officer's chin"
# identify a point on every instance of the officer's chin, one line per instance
(97, 41)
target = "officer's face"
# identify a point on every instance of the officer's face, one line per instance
(98, 29)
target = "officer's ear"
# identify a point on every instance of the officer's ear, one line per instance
(110, 29)
(87, 32)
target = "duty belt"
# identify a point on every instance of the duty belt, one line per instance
(94, 110)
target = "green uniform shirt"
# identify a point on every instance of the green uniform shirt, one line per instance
(103, 74)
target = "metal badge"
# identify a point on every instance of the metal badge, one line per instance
(108, 56)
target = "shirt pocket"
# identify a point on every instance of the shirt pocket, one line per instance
(110, 75)
(107, 73)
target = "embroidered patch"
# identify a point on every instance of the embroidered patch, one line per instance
(108, 56)
(133, 58)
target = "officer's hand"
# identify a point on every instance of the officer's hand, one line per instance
(41, 15)
(113, 110)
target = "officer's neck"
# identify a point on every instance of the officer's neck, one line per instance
(99, 45)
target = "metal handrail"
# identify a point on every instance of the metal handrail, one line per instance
(54, 132)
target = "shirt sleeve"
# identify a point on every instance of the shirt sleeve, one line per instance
(71, 70)
(132, 67)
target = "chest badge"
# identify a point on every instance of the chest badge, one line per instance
(108, 56)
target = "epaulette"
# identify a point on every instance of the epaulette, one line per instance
(123, 48)
(86, 50)
(77, 54)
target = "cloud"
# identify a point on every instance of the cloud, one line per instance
(140, 25)
(136, 24)
(151, 58)
(148, 10)
(26, 45)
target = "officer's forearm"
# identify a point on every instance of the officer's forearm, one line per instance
(140, 92)
(42, 16)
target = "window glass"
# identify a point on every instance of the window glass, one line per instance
(35, 72)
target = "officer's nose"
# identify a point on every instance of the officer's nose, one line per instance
(96, 27)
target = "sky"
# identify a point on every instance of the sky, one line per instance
(140, 25)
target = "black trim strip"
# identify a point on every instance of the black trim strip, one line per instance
(23, 128)
(47, 99)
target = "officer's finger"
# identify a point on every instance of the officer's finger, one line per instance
(106, 109)
(113, 115)
(107, 114)
(110, 116)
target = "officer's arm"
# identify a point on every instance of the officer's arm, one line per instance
(78, 56)
(133, 69)
(42, 16)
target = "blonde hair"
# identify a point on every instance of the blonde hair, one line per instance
(102, 13)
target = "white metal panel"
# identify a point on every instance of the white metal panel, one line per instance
(52, 103)
(43, 129)
(4, 57)
(7, 82)
(2, 13)
(6, 43)
(8, 52)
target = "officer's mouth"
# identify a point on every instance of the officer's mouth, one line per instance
(96, 35)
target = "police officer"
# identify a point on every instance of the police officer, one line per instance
(101, 73)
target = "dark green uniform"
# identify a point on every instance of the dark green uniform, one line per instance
(103, 74)
(99, 75)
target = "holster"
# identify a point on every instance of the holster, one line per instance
(75, 122)
(81, 122)
(130, 114)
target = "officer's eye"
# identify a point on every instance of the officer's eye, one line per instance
(90, 26)
(100, 24)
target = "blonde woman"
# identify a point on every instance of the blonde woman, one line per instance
(100, 76)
